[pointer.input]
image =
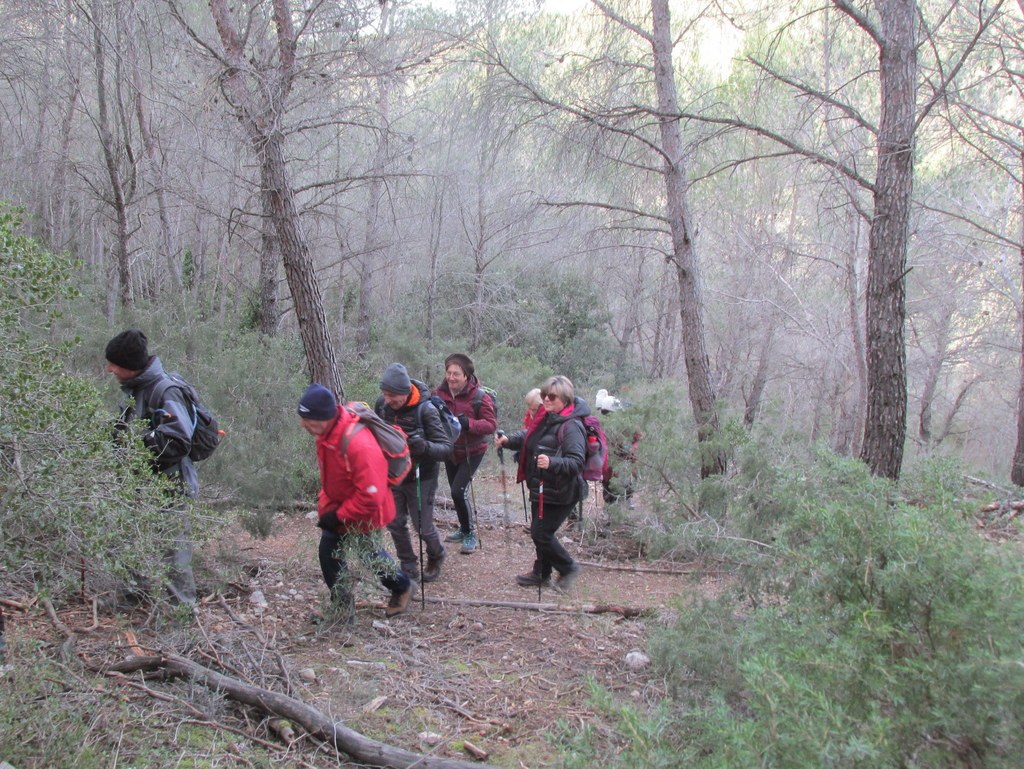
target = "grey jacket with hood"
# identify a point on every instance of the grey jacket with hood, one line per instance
(170, 424)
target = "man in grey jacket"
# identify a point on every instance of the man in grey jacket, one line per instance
(168, 435)
(405, 402)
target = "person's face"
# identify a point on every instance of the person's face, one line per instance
(552, 403)
(395, 401)
(120, 373)
(315, 427)
(455, 377)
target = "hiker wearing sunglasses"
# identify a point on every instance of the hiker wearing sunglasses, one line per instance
(552, 451)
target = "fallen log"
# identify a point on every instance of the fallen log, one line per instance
(629, 612)
(363, 749)
(678, 571)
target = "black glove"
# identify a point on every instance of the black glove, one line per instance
(464, 422)
(417, 446)
(329, 521)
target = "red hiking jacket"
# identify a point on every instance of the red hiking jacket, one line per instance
(354, 485)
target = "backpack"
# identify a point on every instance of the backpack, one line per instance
(390, 438)
(478, 399)
(597, 448)
(206, 433)
(451, 422)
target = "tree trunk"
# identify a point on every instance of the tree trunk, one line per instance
(259, 109)
(118, 195)
(149, 146)
(298, 270)
(684, 257)
(886, 420)
(1017, 469)
(268, 314)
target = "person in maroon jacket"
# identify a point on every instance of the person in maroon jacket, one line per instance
(354, 501)
(474, 408)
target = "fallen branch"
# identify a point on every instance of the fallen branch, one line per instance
(642, 569)
(363, 749)
(1015, 505)
(16, 605)
(629, 612)
(988, 484)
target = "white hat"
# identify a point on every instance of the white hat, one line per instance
(606, 402)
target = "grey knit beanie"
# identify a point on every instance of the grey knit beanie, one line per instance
(396, 380)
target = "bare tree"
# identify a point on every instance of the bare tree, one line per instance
(118, 159)
(257, 77)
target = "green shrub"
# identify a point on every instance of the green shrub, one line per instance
(75, 504)
(866, 632)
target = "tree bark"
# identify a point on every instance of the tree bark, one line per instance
(1017, 469)
(684, 253)
(886, 418)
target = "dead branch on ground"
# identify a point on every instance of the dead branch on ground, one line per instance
(362, 749)
(629, 612)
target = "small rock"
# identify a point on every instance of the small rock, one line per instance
(308, 675)
(430, 738)
(637, 660)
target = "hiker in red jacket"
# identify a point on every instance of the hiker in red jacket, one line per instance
(354, 501)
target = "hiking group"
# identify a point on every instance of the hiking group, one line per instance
(379, 468)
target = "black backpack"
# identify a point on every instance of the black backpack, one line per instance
(451, 422)
(206, 433)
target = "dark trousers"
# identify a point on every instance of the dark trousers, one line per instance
(417, 507)
(333, 548)
(459, 477)
(550, 553)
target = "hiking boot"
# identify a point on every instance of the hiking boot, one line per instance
(412, 571)
(469, 543)
(433, 568)
(399, 601)
(532, 580)
(564, 581)
(457, 536)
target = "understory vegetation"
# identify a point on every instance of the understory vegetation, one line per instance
(869, 624)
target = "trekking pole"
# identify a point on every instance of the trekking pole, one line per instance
(526, 513)
(419, 536)
(472, 494)
(540, 517)
(504, 481)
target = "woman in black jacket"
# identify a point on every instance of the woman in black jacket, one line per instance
(552, 452)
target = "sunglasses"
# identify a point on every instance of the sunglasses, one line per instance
(549, 397)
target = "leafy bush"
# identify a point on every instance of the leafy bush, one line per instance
(74, 504)
(876, 633)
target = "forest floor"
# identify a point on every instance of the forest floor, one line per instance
(480, 661)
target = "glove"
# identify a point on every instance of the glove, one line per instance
(417, 446)
(464, 422)
(329, 521)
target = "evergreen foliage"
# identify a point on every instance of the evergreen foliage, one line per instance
(873, 627)
(77, 504)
